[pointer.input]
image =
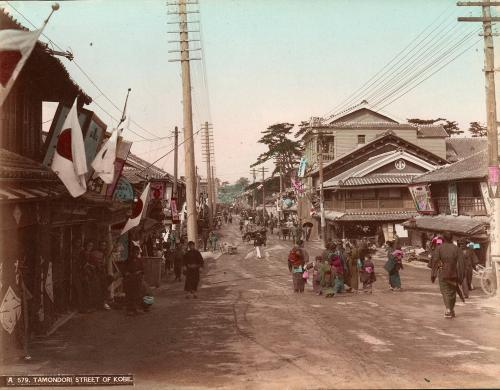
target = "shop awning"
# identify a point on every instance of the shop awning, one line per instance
(463, 225)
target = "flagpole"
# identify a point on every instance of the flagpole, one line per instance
(55, 7)
(122, 119)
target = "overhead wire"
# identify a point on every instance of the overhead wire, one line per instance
(430, 75)
(381, 73)
(428, 66)
(87, 76)
(425, 55)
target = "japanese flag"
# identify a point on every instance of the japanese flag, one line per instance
(104, 161)
(15, 48)
(137, 212)
(69, 162)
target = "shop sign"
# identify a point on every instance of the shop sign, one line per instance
(421, 195)
(124, 190)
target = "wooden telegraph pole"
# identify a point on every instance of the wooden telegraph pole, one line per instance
(209, 177)
(280, 203)
(189, 163)
(253, 197)
(176, 159)
(492, 125)
(263, 195)
(321, 192)
(214, 197)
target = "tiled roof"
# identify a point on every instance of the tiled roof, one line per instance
(386, 137)
(460, 148)
(378, 179)
(20, 190)
(431, 131)
(442, 223)
(136, 165)
(15, 166)
(367, 216)
(370, 125)
(472, 167)
(378, 216)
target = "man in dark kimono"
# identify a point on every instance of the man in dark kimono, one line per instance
(470, 262)
(448, 266)
(193, 261)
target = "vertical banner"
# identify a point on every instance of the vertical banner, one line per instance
(453, 198)
(486, 196)
(175, 213)
(302, 167)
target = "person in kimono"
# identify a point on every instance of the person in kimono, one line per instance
(367, 274)
(393, 265)
(338, 269)
(327, 279)
(352, 255)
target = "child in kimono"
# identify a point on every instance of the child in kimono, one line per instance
(327, 280)
(367, 274)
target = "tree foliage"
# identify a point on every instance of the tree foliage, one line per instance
(243, 182)
(229, 192)
(283, 150)
(451, 127)
(478, 130)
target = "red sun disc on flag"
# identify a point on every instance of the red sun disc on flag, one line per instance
(8, 62)
(64, 144)
(137, 209)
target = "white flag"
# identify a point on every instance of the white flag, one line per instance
(15, 48)
(139, 207)
(104, 161)
(69, 162)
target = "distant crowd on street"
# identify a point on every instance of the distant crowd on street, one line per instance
(347, 266)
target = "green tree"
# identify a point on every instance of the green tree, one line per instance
(478, 130)
(451, 127)
(242, 182)
(283, 150)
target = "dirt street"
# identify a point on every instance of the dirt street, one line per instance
(248, 330)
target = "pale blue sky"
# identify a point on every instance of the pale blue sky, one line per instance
(266, 62)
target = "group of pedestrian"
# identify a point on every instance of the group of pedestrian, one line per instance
(92, 275)
(339, 269)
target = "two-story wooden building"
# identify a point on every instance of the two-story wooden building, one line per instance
(457, 202)
(368, 160)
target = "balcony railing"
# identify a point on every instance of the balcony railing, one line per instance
(466, 206)
(373, 204)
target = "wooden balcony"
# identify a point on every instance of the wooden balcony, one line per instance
(466, 206)
(371, 205)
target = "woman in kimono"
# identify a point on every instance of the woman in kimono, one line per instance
(338, 270)
(352, 265)
(393, 265)
(327, 280)
(367, 274)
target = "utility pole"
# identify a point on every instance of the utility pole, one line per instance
(321, 193)
(209, 177)
(176, 157)
(214, 197)
(492, 126)
(192, 226)
(280, 200)
(253, 197)
(263, 195)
